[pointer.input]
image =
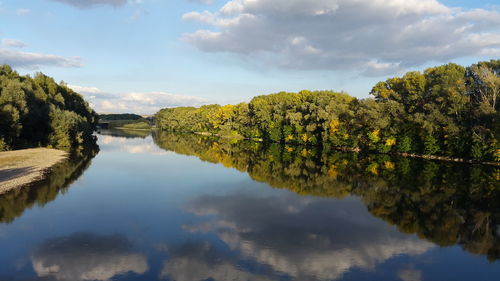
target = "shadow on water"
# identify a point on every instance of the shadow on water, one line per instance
(445, 203)
(62, 175)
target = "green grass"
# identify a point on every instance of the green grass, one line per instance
(141, 124)
(137, 126)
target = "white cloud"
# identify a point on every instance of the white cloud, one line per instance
(29, 60)
(13, 43)
(108, 106)
(204, 17)
(135, 102)
(22, 12)
(163, 98)
(85, 90)
(371, 36)
(206, 2)
(92, 3)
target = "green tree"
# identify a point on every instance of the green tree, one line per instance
(40, 112)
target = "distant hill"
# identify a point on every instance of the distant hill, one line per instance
(129, 121)
(123, 116)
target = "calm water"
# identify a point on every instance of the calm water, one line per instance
(188, 208)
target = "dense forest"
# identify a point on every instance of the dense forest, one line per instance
(448, 111)
(37, 111)
(446, 203)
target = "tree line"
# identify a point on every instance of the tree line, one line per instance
(448, 110)
(446, 203)
(120, 116)
(37, 111)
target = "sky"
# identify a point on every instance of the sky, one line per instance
(142, 55)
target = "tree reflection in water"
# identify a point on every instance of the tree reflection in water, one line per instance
(62, 175)
(446, 203)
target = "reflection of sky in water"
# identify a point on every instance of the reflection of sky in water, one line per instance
(141, 213)
(85, 256)
(301, 236)
(130, 145)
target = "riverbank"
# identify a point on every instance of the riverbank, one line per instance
(21, 167)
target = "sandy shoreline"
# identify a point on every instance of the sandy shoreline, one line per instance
(21, 167)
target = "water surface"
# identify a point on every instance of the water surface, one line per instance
(185, 207)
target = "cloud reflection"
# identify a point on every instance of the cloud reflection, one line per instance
(130, 145)
(84, 256)
(201, 261)
(410, 274)
(302, 237)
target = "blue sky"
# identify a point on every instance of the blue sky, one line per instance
(141, 55)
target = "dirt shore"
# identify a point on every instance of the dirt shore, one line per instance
(21, 167)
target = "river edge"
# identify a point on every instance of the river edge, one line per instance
(128, 129)
(19, 168)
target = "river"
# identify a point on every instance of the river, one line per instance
(186, 207)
